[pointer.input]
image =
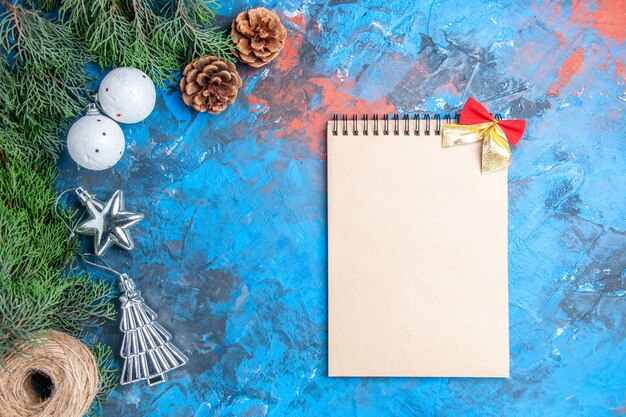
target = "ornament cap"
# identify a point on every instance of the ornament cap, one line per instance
(84, 195)
(92, 110)
(126, 283)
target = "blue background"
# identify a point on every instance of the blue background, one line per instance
(232, 251)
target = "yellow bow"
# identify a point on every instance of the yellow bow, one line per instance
(496, 153)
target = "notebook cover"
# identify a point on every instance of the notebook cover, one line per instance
(417, 258)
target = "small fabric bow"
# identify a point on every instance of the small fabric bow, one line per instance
(476, 123)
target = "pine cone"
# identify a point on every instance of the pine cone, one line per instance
(260, 36)
(209, 84)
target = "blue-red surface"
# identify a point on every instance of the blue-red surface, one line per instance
(232, 253)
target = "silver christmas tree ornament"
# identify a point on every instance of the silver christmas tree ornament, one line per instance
(146, 348)
(108, 222)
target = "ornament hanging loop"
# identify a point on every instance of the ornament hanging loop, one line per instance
(72, 229)
(101, 263)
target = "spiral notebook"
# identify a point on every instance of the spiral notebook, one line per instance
(417, 253)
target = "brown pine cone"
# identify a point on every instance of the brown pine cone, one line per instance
(260, 36)
(209, 84)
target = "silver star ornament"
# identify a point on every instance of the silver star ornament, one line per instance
(108, 222)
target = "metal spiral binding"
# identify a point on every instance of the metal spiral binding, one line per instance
(401, 124)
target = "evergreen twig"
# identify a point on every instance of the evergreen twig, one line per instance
(189, 30)
(44, 85)
(135, 33)
(107, 374)
(35, 292)
(47, 60)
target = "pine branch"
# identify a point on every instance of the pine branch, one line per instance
(135, 33)
(44, 84)
(25, 135)
(48, 5)
(107, 374)
(28, 141)
(47, 66)
(35, 292)
(40, 42)
(189, 30)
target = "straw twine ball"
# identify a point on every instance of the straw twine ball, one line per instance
(56, 378)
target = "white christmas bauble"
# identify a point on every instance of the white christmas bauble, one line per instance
(127, 95)
(95, 141)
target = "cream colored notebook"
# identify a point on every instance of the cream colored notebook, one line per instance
(417, 254)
